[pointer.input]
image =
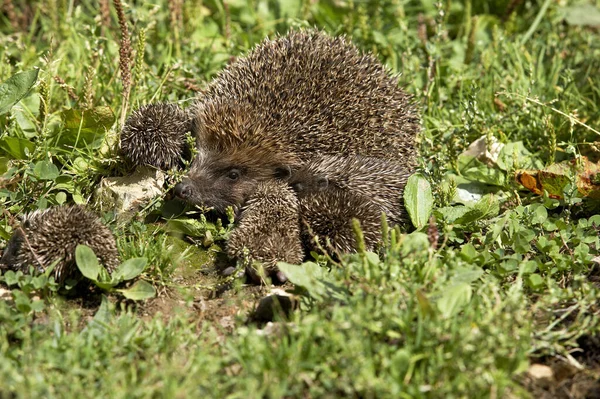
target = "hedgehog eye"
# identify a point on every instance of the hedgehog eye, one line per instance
(234, 174)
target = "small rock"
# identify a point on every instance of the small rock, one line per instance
(541, 374)
(5, 294)
(479, 149)
(126, 194)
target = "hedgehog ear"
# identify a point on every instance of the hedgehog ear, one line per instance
(283, 172)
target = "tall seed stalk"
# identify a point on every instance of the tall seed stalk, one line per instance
(124, 59)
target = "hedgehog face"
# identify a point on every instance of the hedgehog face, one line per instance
(217, 187)
(218, 180)
(303, 182)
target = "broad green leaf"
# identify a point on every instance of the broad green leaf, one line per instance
(22, 301)
(529, 267)
(97, 120)
(418, 200)
(139, 290)
(15, 88)
(85, 128)
(98, 324)
(454, 299)
(466, 275)
(450, 214)
(303, 275)
(3, 165)
(488, 206)
(129, 269)
(10, 278)
(535, 281)
(60, 198)
(37, 305)
(87, 262)
(46, 170)
(515, 155)
(468, 252)
(539, 213)
(307, 275)
(486, 174)
(17, 148)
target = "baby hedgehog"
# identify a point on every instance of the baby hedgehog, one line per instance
(154, 135)
(53, 234)
(332, 190)
(270, 220)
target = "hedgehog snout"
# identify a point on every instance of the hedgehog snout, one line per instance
(183, 190)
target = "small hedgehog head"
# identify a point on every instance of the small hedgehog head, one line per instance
(154, 135)
(52, 235)
(231, 159)
(303, 181)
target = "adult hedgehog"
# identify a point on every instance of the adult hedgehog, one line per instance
(291, 99)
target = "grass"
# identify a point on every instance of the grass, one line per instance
(460, 309)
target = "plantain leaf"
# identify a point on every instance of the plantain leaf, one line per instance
(16, 147)
(129, 269)
(418, 200)
(15, 88)
(87, 262)
(138, 291)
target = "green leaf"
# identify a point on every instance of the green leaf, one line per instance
(582, 15)
(15, 88)
(60, 198)
(98, 325)
(515, 155)
(86, 128)
(17, 148)
(46, 170)
(418, 200)
(22, 301)
(138, 291)
(485, 174)
(535, 281)
(466, 275)
(539, 213)
(454, 299)
(304, 275)
(307, 275)
(130, 269)
(468, 252)
(529, 267)
(189, 227)
(3, 165)
(11, 278)
(450, 214)
(87, 262)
